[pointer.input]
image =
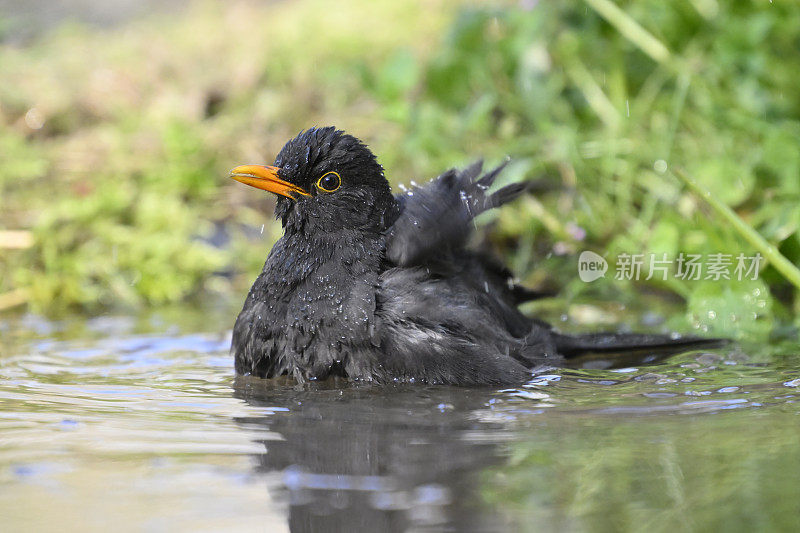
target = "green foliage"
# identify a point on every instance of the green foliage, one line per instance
(604, 102)
(116, 144)
(124, 183)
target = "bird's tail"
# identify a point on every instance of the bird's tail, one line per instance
(576, 345)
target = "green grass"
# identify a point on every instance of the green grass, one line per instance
(125, 182)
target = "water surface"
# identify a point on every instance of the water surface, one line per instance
(140, 424)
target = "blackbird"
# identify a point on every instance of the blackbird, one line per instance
(378, 287)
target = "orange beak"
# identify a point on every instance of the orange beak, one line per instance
(266, 178)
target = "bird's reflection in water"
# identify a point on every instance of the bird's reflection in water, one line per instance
(368, 458)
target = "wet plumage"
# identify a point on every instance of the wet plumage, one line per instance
(376, 287)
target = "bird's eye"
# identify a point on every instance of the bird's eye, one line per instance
(329, 182)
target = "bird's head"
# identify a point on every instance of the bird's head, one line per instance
(325, 180)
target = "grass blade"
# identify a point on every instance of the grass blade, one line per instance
(594, 95)
(769, 251)
(631, 29)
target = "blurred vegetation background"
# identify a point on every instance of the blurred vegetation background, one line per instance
(116, 141)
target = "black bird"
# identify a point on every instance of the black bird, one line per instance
(376, 287)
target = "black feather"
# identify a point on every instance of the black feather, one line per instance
(575, 345)
(438, 216)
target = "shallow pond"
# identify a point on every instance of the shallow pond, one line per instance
(140, 424)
